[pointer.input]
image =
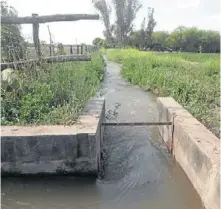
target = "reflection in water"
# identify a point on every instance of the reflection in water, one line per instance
(139, 173)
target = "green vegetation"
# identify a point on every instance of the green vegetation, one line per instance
(193, 80)
(55, 94)
(13, 45)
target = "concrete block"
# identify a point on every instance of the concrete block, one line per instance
(54, 149)
(195, 148)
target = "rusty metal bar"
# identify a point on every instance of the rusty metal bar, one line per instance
(136, 123)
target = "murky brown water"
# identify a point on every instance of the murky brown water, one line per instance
(139, 173)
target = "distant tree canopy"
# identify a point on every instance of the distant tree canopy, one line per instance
(98, 42)
(13, 45)
(182, 38)
(194, 40)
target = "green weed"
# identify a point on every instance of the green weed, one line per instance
(193, 80)
(55, 94)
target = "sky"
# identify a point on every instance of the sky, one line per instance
(169, 14)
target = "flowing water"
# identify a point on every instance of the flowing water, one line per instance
(139, 173)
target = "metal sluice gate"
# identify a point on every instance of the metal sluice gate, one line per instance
(170, 130)
(135, 123)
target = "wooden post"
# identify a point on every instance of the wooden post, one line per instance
(53, 49)
(78, 49)
(50, 50)
(71, 49)
(81, 48)
(36, 36)
(50, 47)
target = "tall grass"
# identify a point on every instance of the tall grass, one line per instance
(55, 94)
(193, 80)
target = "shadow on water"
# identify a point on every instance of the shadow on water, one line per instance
(139, 172)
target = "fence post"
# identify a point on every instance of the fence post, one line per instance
(78, 49)
(50, 50)
(50, 47)
(81, 48)
(71, 49)
(53, 52)
(36, 36)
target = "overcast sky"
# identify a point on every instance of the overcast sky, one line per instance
(169, 14)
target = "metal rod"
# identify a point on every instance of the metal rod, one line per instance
(136, 123)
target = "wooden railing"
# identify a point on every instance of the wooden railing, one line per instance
(35, 20)
(55, 59)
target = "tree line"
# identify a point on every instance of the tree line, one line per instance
(121, 33)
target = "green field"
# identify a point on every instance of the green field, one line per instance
(54, 94)
(191, 79)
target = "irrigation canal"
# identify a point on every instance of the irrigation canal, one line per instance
(139, 173)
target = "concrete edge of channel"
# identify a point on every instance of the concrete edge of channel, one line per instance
(195, 148)
(55, 149)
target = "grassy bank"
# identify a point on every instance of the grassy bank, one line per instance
(193, 80)
(55, 94)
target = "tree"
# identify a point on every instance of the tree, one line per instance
(194, 40)
(210, 41)
(150, 26)
(60, 49)
(191, 39)
(135, 39)
(105, 11)
(176, 40)
(142, 34)
(126, 11)
(159, 37)
(13, 45)
(98, 42)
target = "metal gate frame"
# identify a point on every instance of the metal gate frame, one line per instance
(169, 143)
(135, 123)
(169, 146)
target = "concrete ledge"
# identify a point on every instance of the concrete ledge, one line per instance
(55, 149)
(195, 148)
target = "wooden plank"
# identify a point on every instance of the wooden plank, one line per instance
(48, 18)
(136, 123)
(56, 59)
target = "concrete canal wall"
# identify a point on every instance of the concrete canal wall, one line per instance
(76, 149)
(194, 147)
(55, 149)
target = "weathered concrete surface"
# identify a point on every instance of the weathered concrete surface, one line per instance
(55, 149)
(195, 148)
